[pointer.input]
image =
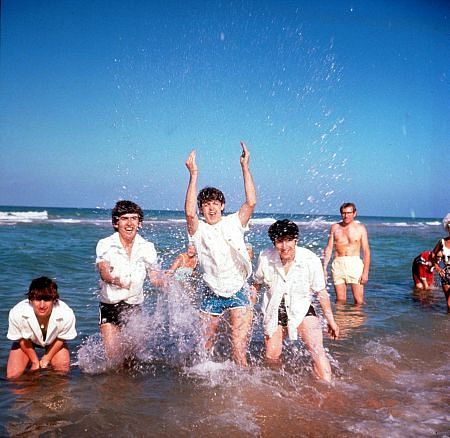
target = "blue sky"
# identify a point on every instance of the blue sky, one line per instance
(337, 101)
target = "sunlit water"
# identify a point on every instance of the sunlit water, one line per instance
(391, 365)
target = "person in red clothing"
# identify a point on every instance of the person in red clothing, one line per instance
(422, 270)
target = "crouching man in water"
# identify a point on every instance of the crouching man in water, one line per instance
(290, 275)
(124, 260)
(222, 256)
(40, 321)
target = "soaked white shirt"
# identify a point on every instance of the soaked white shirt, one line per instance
(305, 277)
(129, 269)
(23, 324)
(222, 254)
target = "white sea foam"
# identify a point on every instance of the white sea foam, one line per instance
(23, 216)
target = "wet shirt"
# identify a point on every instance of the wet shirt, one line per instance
(305, 277)
(23, 324)
(131, 269)
(222, 254)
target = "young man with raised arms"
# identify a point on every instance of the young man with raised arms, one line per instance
(222, 256)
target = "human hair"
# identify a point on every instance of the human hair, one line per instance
(347, 205)
(446, 221)
(209, 194)
(43, 288)
(283, 228)
(125, 207)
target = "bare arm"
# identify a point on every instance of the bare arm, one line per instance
(176, 264)
(27, 347)
(324, 300)
(436, 257)
(246, 210)
(366, 256)
(51, 351)
(328, 252)
(157, 278)
(190, 204)
(106, 274)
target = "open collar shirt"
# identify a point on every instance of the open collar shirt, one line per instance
(222, 254)
(305, 277)
(23, 324)
(131, 269)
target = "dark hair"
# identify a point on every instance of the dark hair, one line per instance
(209, 194)
(125, 207)
(283, 228)
(346, 205)
(43, 287)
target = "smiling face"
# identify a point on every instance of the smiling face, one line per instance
(127, 226)
(286, 248)
(42, 307)
(212, 211)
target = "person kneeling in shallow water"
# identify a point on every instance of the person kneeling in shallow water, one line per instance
(290, 275)
(40, 321)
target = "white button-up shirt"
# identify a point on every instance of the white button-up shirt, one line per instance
(131, 269)
(222, 254)
(23, 324)
(305, 277)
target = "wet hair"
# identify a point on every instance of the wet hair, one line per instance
(43, 288)
(347, 205)
(283, 228)
(209, 194)
(125, 207)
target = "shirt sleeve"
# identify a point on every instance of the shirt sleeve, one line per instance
(151, 257)
(68, 330)
(318, 279)
(101, 251)
(258, 275)
(14, 332)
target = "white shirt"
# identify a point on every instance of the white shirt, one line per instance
(222, 254)
(305, 276)
(129, 269)
(23, 324)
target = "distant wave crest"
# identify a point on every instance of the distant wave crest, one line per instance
(23, 216)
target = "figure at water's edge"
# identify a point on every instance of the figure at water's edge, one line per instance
(223, 256)
(441, 254)
(42, 321)
(290, 275)
(124, 260)
(348, 238)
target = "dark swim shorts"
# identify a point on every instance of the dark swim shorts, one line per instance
(116, 314)
(283, 317)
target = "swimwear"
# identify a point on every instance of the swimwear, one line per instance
(116, 314)
(445, 278)
(283, 316)
(347, 270)
(216, 305)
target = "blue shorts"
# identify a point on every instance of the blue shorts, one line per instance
(214, 304)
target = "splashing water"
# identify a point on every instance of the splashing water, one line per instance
(170, 334)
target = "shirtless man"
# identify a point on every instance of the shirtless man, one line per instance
(348, 239)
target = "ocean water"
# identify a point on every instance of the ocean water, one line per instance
(391, 366)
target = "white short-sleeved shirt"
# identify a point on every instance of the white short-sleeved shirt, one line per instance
(129, 269)
(23, 324)
(305, 277)
(222, 254)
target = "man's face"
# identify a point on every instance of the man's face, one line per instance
(348, 214)
(42, 307)
(212, 211)
(128, 225)
(286, 247)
